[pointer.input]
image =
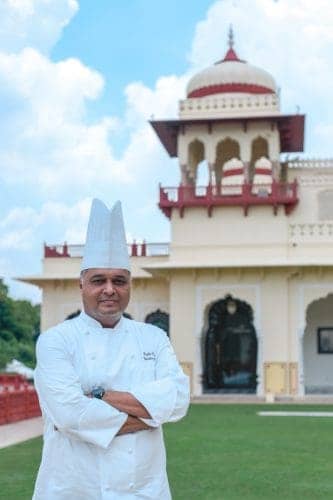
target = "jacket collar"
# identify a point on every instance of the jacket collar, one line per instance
(93, 323)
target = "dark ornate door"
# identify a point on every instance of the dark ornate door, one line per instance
(230, 347)
(160, 319)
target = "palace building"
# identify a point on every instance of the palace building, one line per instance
(244, 289)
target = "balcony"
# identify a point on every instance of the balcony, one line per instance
(245, 195)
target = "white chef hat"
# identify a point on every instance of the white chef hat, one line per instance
(106, 245)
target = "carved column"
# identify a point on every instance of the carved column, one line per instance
(183, 172)
(245, 156)
(246, 171)
(212, 177)
(301, 386)
(276, 170)
(260, 382)
(300, 344)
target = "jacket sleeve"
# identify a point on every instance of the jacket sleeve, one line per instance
(167, 397)
(62, 399)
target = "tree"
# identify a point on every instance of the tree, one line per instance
(19, 328)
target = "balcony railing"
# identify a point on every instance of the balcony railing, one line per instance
(245, 195)
(134, 250)
(311, 232)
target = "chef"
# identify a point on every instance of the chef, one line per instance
(106, 384)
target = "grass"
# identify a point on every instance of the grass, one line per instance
(221, 452)
(18, 469)
(228, 452)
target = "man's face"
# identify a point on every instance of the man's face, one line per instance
(105, 294)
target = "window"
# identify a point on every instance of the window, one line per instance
(325, 340)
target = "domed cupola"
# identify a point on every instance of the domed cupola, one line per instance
(232, 86)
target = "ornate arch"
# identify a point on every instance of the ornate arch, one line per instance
(225, 150)
(318, 361)
(230, 347)
(159, 318)
(259, 148)
(195, 155)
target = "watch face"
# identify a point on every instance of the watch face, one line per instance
(98, 392)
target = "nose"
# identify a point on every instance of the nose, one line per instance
(108, 288)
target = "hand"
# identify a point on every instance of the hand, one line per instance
(131, 425)
(127, 403)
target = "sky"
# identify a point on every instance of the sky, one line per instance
(79, 80)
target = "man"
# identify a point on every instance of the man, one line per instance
(106, 384)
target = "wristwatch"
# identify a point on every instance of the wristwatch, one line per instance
(98, 392)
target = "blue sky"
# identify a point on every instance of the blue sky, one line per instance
(79, 80)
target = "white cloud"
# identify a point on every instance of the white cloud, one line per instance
(45, 130)
(33, 23)
(160, 102)
(16, 240)
(19, 291)
(325, 131)
(144, 152)
(22, 226)
(48, 143)
(17, 229)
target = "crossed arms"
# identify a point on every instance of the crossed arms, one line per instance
(163, 399)
(127, 403)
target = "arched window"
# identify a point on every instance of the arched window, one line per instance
(259, 149)
(160, 319)
(317, 346)
(225, 150)
(196, 154)
(202, 178)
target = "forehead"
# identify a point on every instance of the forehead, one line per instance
(106, 273)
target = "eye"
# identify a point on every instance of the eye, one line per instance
(97, 281)
(119, 282)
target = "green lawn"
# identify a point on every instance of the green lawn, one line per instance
(222, 452)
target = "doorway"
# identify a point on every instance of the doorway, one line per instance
(230, 348)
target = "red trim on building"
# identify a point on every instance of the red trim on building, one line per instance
(235, 171)
(50, 251)
(280, 194)
(134, 249)
(221, 88)
(263, 171)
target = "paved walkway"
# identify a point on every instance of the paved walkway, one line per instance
(20, 431)
(308, 399)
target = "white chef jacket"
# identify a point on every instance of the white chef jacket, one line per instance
(83, 458)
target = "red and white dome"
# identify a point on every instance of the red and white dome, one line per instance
(231, 75)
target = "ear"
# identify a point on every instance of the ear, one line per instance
(80, 285)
